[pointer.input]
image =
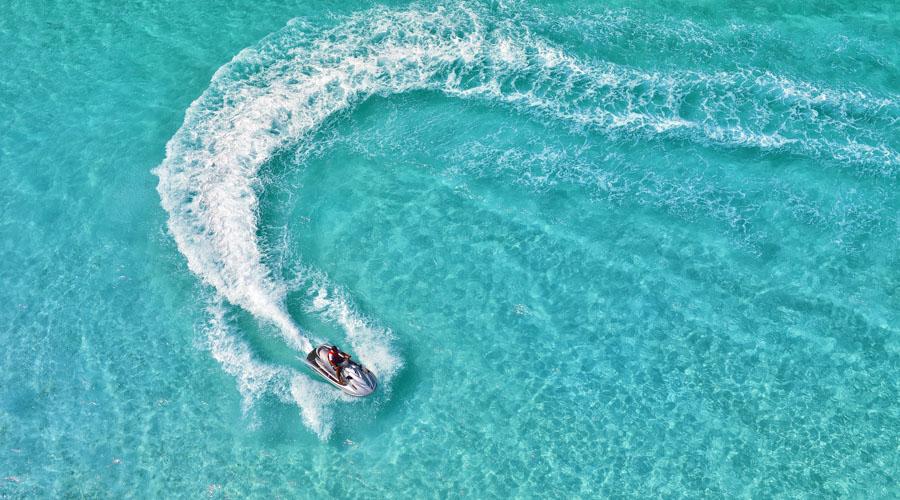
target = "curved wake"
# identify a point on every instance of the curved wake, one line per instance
(274, 95)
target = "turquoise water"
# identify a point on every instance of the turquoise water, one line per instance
(591, 250)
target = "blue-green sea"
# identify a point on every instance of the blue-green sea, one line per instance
(590, 249)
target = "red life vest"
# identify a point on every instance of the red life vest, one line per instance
(336, 357)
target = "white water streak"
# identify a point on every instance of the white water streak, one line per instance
(274, 96)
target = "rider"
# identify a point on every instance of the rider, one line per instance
(338, 361)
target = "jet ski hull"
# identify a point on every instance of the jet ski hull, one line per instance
(358, 380)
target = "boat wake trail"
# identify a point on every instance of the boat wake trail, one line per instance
(275, 95)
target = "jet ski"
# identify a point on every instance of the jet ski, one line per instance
(358, 380)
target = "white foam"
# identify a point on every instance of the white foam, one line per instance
(366, 338)
(255, 378)
(315, 401)
(274, 96)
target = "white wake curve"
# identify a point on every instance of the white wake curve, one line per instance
(273, 96)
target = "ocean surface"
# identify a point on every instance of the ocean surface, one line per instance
(590, 249)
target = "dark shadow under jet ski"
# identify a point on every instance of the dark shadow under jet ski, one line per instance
(357, 379)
